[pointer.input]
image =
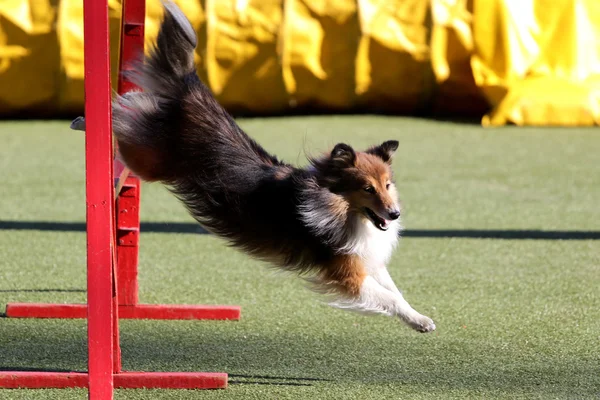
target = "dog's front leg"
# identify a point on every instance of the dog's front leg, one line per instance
(382, 276)
(373, 295)
(359, 290)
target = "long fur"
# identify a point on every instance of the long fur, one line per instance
(302, 220)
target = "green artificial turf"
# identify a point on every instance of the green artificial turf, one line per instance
(517, 317)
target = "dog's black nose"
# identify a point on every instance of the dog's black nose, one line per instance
(394, 214)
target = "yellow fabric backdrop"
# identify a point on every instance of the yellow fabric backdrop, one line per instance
(522, 61)
(538, 62)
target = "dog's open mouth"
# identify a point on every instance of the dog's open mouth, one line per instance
(380, 223)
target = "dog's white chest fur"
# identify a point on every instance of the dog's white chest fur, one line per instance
(374, 246)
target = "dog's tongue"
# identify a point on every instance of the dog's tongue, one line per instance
(385, 223)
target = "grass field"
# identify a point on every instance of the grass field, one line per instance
(502, 249)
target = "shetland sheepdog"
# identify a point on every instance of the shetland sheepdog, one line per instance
(334, 223)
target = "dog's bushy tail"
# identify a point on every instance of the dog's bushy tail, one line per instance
(175, 131)
(145, 123)
(171, 59)
(176, 127)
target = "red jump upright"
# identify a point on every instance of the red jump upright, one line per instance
(127, 212)
(112, 240)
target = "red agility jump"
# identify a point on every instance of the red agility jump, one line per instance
(127, 208)
(112, 238)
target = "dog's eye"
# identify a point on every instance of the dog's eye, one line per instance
(370, 189)
(387, 185)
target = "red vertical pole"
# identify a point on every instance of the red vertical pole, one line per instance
(99, 199)
(115, 319)
(131, 46)
(132, 40)
(128, 201)
(116, 343)
(128, 239)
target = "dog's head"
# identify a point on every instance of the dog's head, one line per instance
(364, 179)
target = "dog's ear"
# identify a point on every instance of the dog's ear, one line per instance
(343, 155)
(385, 151)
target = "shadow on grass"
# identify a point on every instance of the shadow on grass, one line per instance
(42, 290)
(30, 369)
(266, 357)
(33, 345)
(193, 228)
(154, 227)
(245, 379)
(267, 382)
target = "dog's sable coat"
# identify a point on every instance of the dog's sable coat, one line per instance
(335, 223)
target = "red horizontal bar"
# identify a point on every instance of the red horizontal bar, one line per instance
(42, 380)
(139, 311)
(171, 380)
(43, 310)
(123, 380)
(180, 311)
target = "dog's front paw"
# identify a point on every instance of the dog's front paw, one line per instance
(421, 323)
